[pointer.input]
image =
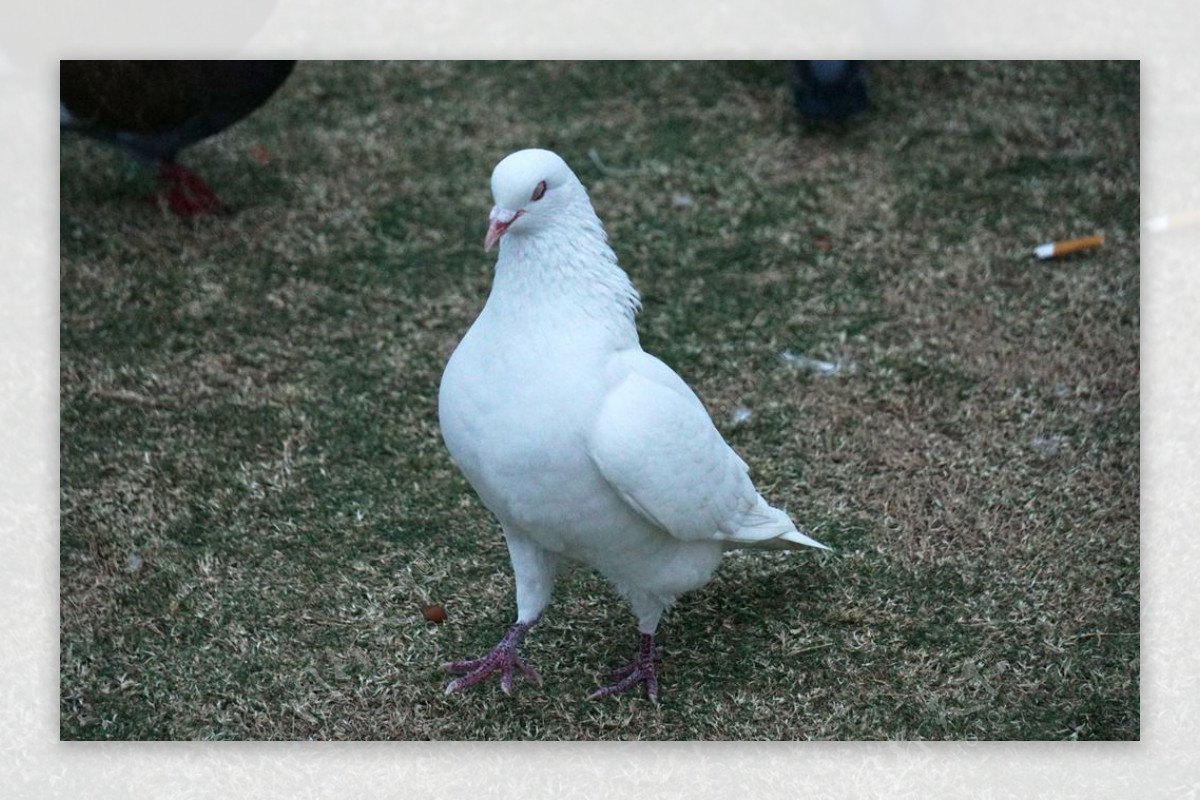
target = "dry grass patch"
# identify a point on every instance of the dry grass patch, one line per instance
(256, 502)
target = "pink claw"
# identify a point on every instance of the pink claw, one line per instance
(503, 658)
(640, 671)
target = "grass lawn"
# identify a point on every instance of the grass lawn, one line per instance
(255, 499)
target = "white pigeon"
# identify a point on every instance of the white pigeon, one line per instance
(582, 444)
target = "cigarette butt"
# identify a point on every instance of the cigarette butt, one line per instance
(1169, 222)
(1052, 249)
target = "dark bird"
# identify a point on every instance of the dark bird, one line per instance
(155, 109)
(829, 91)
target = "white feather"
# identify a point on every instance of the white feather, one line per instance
(584, 446)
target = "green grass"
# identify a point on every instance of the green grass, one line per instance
(255, 500)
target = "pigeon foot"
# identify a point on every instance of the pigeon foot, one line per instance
(640, 671)
(186, 194)
(503, 658)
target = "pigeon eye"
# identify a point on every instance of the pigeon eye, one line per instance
(538, 191)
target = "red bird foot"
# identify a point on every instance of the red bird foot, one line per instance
(503, 658)
(640, 671)
(186, 194)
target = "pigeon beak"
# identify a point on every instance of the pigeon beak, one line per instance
(498, 222)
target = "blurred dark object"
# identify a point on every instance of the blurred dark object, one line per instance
(154, 109)
(829, 91)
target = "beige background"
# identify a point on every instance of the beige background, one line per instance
(34, 763)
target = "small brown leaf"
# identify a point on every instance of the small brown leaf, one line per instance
(434, 613)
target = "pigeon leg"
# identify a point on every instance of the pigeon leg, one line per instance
(186, 194)
(640, 671)
(503, 658)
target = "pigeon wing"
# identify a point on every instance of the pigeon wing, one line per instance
(655, 443)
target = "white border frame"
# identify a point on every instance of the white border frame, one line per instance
(1163, 764)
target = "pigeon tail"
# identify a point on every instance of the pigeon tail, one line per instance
(768, 528)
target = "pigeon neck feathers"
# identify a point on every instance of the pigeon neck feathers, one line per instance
(555, 260)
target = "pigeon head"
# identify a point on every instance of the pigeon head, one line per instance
(531, 188)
